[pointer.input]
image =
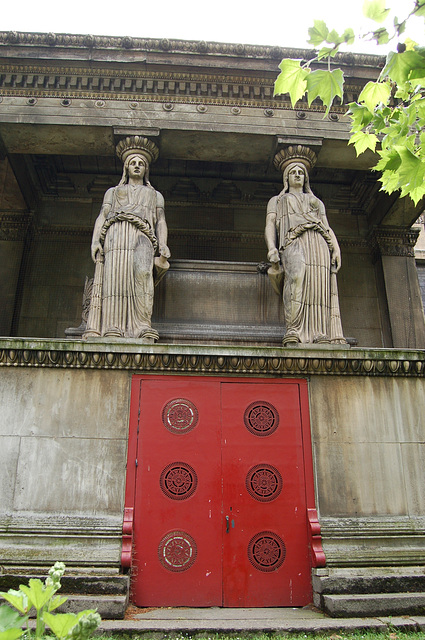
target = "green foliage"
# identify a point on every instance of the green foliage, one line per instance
(375, 10)
(10, 623)
(326, 85)
(389, 115)
(41, 596)
(292, 80)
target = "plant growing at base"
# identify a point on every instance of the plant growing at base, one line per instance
(41, 596)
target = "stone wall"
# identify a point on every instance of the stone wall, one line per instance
(63, 444)
(63, 449)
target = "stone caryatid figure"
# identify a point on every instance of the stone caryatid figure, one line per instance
(304, 253)
(129, 248)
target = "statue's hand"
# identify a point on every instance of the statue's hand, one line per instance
(273, 255)
(96, 247)
(164, 251)
(335, 261)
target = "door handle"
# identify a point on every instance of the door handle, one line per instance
(227, 524)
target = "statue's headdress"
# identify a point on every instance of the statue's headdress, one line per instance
(296, 153)
(137, 144)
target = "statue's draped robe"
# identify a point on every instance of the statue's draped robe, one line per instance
(129, 244)
(310, 295)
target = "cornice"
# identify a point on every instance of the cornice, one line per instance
(13, 227)
(167, 87)
(209, 360)
(89, 42)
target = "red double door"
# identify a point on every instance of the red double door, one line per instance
(220, 506)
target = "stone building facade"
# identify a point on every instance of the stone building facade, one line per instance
(70, 408)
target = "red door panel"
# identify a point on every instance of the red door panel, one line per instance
(178, 495)
(220, 506)
(265, 550)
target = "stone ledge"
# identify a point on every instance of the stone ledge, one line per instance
(131, 355)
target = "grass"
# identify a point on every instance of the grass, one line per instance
(339, 635)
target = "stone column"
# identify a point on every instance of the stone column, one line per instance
(13, 229)
(393, 249)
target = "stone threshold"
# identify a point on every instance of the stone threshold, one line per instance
(131, 354)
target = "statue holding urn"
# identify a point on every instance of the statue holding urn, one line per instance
(129, 249)
(304, 254)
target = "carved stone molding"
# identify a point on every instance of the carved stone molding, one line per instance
(389, 540)
(193, 236)
(64, 231)
(14, 227)
(132, 356)
(69, 41)
(392, 241)
(149, 86)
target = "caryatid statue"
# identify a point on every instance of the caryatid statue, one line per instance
(304, 253)
(129, 248)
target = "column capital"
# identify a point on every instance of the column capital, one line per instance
(14, 227)
(393, 241)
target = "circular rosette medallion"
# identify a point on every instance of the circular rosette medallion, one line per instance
(266, 551)
(178, 481)
(177, 551)
(180, 416)
(264, 482)
(261, 418)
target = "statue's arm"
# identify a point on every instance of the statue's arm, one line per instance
(335, 251)
(161, 227)
(105, 209)
(335, 254)
(270, 232)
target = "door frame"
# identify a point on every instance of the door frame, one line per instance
(317, 556)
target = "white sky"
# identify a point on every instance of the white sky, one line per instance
(268, 22)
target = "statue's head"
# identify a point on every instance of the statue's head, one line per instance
(135, 164)
(295, 156)
(137, 150)
(295, 173)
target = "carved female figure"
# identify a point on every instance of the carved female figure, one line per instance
(128, 232)
(302, 245)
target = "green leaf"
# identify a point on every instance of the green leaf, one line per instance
(334, 37)
(56, 602)
(37, 593)
(327, 52)
(60, 623)
(375, 93)
(10, 623)
(399, 66)
(400, 27)
(419, 8)
(292, 80)
(381, 36)
(360, 114)
(326, 85)
(349, 36)
(10, 619)
(390, 161)
(17, 599)
(318, 33)
(363, 141)
(390, 181)
(375, 10)
(411, 174)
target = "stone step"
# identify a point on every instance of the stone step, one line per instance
(107, 594)
(109, 607)
(339, 584)
(78, 584)
(373, 604)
